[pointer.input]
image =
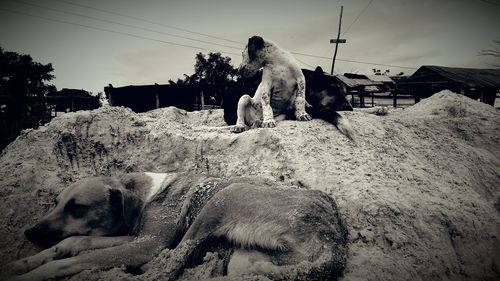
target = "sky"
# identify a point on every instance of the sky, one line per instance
(93, 43)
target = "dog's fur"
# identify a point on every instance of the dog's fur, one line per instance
(327, 97)
(284, 92)
(282, 89)
(107, 222)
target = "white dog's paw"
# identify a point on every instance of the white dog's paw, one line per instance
(238, 129)
(303, 117)
(268, 124)
(257, 124)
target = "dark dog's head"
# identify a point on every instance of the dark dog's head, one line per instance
(324, 91)
(253, 60)
(93, 206)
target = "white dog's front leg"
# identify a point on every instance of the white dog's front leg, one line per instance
(267, 111)
(263, 95)
(300, 102)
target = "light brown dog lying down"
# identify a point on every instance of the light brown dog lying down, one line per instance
(105, 222)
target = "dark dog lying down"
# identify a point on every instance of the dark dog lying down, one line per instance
(107, 222)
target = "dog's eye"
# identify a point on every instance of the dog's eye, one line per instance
(75, 210)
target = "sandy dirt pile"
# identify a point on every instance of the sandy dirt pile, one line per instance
(419, 188)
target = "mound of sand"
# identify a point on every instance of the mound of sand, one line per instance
(419, 188)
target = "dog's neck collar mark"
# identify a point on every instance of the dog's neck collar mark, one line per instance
(158, 184)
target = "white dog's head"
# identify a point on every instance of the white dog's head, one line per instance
(253, 59)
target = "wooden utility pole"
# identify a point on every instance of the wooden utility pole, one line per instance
(338, 40)
(157, 98)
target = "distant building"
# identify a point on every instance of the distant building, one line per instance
(479, 84)
(387, 83)
(360, 86)
(148, 97)
(70, 100)
(39, 110)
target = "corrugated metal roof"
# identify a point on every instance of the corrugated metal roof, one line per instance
(360, 80)
(471, 77)
(349, 82)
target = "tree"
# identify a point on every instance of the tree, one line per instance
(23, 80)
(22, 89)
(495, 52)
(213, 73)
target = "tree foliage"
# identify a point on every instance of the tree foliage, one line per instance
(22, 77)
(22, 91)
(214, 74)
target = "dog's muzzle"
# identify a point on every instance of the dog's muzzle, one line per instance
(42, 235)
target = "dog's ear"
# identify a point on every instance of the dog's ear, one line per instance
(314, 80)
(255, 43)
(318, 70)
(128, 206)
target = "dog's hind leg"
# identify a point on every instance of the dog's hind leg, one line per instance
(243, 104)
(242, 261)
(326, 267)
(249, 114)
(194, 239)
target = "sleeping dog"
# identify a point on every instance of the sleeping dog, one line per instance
(105, 222)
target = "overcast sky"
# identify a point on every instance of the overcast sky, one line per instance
(131, 47)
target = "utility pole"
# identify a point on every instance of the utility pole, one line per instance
(338, 40)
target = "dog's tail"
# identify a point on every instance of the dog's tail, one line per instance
(333, 117)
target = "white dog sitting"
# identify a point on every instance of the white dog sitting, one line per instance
(281, 90)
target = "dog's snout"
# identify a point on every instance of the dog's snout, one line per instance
(42, 235)
(35, 233)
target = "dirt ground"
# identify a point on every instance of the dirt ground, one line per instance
(419, 188)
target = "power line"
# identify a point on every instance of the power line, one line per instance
(380, 64)
(185, 45)
(113, 31)
(353, 61)
(491, 2)
(304, 63)
(148, 21)
(220, 38)
(126, 25)
(357, 18)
